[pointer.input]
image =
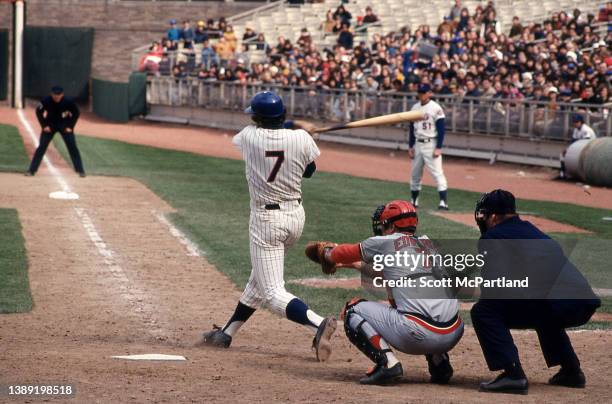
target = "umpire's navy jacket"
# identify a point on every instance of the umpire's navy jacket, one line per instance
(57, 115)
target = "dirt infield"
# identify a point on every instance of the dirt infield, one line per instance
(151, 296)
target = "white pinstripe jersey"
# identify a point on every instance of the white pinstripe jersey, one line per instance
(427, 127)
(275, 160)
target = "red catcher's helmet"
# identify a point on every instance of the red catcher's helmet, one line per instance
(401, 213)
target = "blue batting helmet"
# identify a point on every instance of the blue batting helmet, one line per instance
(266, 104)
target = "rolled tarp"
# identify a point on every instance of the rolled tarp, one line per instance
(590, 160)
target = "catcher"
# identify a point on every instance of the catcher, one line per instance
(411, 323)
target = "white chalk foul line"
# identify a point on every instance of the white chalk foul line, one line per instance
(127, 289)
(52, 169)
(190, 246)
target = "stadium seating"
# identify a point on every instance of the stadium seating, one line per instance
(287, 21)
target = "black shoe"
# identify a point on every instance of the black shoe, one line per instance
(82, 175)
(28, 173)
(443, 206)
(442, 372)
(216, 337)
(568, 378)
(321, 342)
(504, 384)
(382, 375)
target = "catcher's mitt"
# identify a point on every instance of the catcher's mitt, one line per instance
(315, 251)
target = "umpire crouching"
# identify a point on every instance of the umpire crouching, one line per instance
(57, 113)
(557, 296)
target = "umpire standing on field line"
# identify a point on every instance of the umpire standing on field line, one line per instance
(57, 113)
(557, 297)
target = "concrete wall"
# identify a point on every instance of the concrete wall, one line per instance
(120, 26)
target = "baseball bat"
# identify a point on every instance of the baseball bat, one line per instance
(390, 119)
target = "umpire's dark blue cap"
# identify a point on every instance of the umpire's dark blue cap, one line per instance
(497, 201)
(266, 104)
(57, 90)
(424, 88)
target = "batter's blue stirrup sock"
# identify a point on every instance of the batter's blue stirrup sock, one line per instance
(297, 311)
(240, 316)
(442, 195)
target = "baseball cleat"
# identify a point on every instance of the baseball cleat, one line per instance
(505, 384)
(28, 173)
(322, 339)
(568, 378)
(442, 372)
(216, 337)
(443, 206)
(382, 375)
(415, 202)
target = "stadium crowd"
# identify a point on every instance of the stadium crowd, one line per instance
(559, 59)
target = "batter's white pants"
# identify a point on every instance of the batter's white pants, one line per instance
(423, 155)
(272, 233)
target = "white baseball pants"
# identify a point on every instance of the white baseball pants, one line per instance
(272, 233)
(423, 155)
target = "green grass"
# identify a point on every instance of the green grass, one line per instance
(15, 294)
(212, 202)
(12, 152)
(14, 285)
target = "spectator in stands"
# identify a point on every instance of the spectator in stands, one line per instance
(343, 14)
(209, 55)
(369, 16)
(187, 35)
(490, 24)
(200, 33)
(179, 71)
(230, 37)
(345, 39)
(173, 34)
(262, 44)
(517, 28)
(337, 28)
(487, 88)
(224, 51)
(455, 11)
(329, 23)
(212, 30)
(603, 95)
(464, 17)
(169, 45)
(605, 13)
(221, 25)
(471, 90)
(249, 34)
(150, 61)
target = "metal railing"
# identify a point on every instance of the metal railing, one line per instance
(489, 116)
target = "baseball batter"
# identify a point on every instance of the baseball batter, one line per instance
(419, 321)
(425, 146)
(276, 160)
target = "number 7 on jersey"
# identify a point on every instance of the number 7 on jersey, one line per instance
(280, 157)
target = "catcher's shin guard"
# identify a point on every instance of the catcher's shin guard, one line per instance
(358, 337)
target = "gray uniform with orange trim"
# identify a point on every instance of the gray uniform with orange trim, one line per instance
(418, 325)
